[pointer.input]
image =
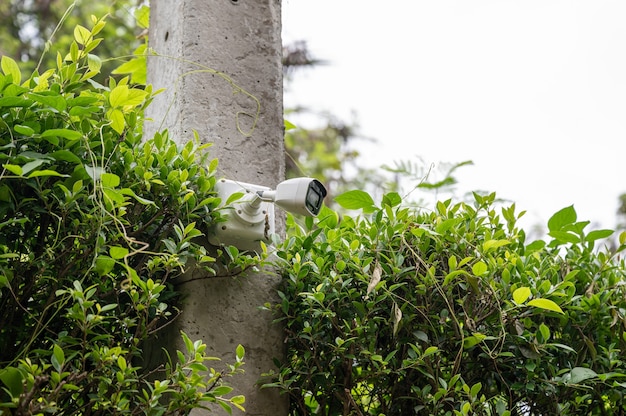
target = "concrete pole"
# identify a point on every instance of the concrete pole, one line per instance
(241, 39)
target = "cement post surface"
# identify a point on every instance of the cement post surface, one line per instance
(220, 62)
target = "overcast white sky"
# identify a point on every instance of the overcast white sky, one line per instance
(533, 91)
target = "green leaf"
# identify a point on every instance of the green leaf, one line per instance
(110, 180)
(130, 67)
(188, 343)
(450, 276)
(598, 234)
(564, 237)
(121, 363)
(15, 102)
(81, 100)
(135, 97)
(98, 25)
(577, 227)
(475, 338)
(94, 172)
(493, 244)
(9, 67)
(563, 347)
(240, 352)
(445, 225)
(94, 63)
(66, 156)
(130, 192)
(5, 80)
(82, 34)
(319, 297)
(452, 263)
(14, 90)
(92, 44)
(222, 390)
(579, 374)
(65, 133)
(12, 378)
(392, 199)
(118, 96)
(108, 307)
(197, 367)
(14, 169)
(562, 218)
(235, 196)
(535, 246)
(73, 55)
(104, 265)
(136, 67)
(27, 167)
(476, 389)
(238, 399)
(479, 268)
(25, 130)
(118, 252)
(47, 172)
(226, 407)
(55, 101)
(521, 294)
(114, 195)
(435, 185)
(83, 111)
(58, 358)
(545, 304)
(430, 351)
(289, 125)
(355, 199)
(327, 218)
(142, 16)
(117, 120)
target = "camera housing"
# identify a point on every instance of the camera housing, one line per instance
(250, 218)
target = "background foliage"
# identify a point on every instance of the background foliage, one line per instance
(29, 29)
(399, 312)
(33, 31)
(96, 224)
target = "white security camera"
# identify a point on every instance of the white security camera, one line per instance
(299, 195)
(250, 218)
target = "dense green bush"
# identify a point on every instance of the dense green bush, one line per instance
(96, 223)
(448, 312)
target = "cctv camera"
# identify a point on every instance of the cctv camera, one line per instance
(250, 218)
(299, 195)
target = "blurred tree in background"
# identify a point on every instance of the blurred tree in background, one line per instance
(29, 28)
(31, 32)
(328, 151)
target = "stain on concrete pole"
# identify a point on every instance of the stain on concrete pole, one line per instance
(220, 62)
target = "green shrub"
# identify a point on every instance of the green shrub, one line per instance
(450, 312)
(96, 223)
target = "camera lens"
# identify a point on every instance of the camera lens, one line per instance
(314, 196)
(313, 200)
